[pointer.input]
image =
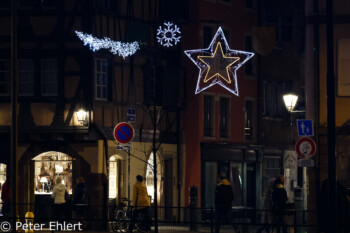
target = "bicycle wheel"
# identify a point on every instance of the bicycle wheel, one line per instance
(121, 223)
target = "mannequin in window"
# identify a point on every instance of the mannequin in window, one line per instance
(150, 178)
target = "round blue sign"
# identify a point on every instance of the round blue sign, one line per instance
(123, 132)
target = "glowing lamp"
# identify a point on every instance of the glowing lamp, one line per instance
(82, 116)
(290, 100)
(43, 179)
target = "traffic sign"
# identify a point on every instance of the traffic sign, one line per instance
(123, 132)
(131, 115)
(305, 128)
(305, 148)
(126, 146)
(306, 163)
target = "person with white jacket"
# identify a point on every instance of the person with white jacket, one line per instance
(58, 195)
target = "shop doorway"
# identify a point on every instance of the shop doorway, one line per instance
(48, 166)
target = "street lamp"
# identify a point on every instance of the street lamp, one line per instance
(82, 116)
(290, 100)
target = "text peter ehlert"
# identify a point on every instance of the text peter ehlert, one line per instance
(53, 226)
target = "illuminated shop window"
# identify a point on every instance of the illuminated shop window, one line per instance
(113, 178)
(2, 176)
(47, 167)
(150, 177)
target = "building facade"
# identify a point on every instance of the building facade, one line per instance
(58, 76)
(224, 125)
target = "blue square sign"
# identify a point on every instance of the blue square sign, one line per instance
(305, 128)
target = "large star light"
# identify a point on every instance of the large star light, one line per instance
(218, 64)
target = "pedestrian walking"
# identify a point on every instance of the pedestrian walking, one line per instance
(223, 201)
(279, 205)
(141, 205)
(59, 196)
(6, 198)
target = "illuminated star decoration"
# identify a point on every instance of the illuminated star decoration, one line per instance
(218, 64)
(169, 34)
(123, 49)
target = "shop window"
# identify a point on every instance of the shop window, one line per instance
(2, 177)
(113, 178)
(150, 177)
(26, 77)
(211, 173)
(101, 79)
(47, 167)
(5, 74)
(49, 73)
(208, 106)
(224, 117)
(233, 172)
(236, 180)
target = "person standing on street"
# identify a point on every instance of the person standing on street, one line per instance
(141, 205)
(279, 205)
(6, 198)
(58, 195)
(223, 201)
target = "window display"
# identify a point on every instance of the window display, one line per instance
(2, 176)
(48, 166)
(113, 176)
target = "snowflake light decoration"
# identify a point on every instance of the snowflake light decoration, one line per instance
(218, 64)
(169, 34)
(123, 49)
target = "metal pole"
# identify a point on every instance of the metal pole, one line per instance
(14, 84)
(332, 190)
(154, 148)
(129, 177)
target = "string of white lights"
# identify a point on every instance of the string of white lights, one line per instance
(123, 49)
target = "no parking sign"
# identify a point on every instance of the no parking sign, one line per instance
(123, 132)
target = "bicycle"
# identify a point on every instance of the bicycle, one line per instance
(123, 215)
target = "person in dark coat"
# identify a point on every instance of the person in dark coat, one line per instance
(223, 201)
(279, 205)
(6, 199)
(80, 199)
